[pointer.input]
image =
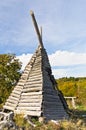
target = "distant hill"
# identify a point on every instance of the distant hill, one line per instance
(74, 87)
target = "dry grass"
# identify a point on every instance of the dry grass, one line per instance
(72, 124)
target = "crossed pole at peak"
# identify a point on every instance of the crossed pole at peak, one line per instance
(36, 28)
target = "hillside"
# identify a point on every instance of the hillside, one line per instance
(74, 87)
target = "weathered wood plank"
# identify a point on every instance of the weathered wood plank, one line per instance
(36, 82)
(36, 71)
(29, 108)
(27, 85)
(11, 101)
(35, 74)
(30, 104)
(31, 100)
(16, 91)
(35, 79)
(13, 98)
(10, 104)
(32, 89)
(31, 97)
(37, 67)
(31, 113)
(21, 84)
(51, 103)
(15, 95)
(49, 91)
(51, 99)
(32, 94)
(9, 107)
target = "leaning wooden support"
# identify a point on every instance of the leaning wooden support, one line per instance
(36, 28)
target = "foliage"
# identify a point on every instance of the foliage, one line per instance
(9, 74)
(74, 87)
(71, 124)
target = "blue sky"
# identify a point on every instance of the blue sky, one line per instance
(64, 32)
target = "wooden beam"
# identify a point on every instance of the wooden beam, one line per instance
(36, 28)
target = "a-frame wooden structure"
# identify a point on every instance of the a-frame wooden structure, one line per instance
(35, 93)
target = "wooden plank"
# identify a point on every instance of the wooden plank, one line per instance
(27, 85)
(31, 113)
(51, 99)
(32, 94)
(37, 67)
(49, 91)
(16, 92)
(8, 107)
(15, 95)
(29, 108)
(20, 84)
(31, 100)
(55, 114)
(32, 89)
(35, 79)
(31, 97)
(29, 104)
(13, 98)
(12, 101)
(21, 80)
(35, 74)
(51, 103)
(10, 104)
(36, 71)
(18, 89)
(25, 74)
(36, 82)
(30, 86)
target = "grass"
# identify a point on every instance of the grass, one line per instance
(76, 122)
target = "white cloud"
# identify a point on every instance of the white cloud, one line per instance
(72, 64)
(66, 58)
(24, 58)
(78, 71)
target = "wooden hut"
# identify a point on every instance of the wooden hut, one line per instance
(36, 93)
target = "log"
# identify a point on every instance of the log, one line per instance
(31, 97)
(35, 79)
(35, 76)
(13, 98)
(36, 71)
(49, 91)
(15, 95)
(17, 89)
(9, 107)
(32, 100)
(20, 84)
(29, 108)
(29, 104)
(30, 113)
(51, 103)
(36, 82)
(17, 92)
(30, 85)
(12, 101)
(10, 104)
(32, 89)
(51, 99)
(32, 94)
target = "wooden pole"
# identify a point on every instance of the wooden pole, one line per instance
(36, 28)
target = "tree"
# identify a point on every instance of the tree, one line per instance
(9, 74)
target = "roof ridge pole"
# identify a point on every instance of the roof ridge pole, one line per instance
(36, 28)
